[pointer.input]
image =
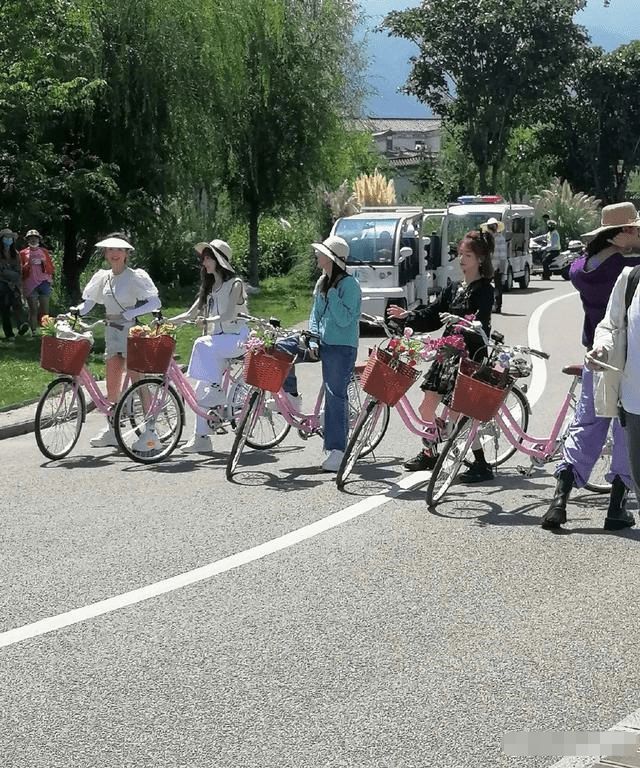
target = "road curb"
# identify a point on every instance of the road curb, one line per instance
(25, 426)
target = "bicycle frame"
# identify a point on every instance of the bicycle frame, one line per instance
(539, 449)
(307, 423)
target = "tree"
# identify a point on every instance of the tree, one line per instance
(287, 74)
(594, 129)
(484, 65)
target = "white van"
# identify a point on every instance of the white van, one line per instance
(406, 255)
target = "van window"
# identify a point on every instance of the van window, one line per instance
(371, 241)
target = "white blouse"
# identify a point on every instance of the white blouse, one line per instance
(120, 292)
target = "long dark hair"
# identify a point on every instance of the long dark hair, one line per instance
(208, 279)
(330, 281)
(482, 245)
(601, 241)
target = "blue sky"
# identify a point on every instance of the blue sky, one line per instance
(608, 27)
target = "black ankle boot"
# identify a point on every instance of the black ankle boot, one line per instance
(425, 460)
(556, 515)
(479, 471)
(618, 517)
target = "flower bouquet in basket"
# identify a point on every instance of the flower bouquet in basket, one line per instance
(390, 372)
(63, 350)
(265, 366)
(150, 350)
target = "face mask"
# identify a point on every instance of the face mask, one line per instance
(34, 244)
(7, 241)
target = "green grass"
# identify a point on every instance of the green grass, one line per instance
(22, 379)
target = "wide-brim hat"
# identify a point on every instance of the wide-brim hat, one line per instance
(221, 252)
(33, 233)
(335, 248)
(616, 216)
(115, 242)
(494, 222)
(6, 232)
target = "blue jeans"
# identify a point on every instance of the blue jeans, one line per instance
(337, 365)
(291, 344)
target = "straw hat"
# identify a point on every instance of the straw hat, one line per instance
(335, 248)
(221, 252)
(615, 216)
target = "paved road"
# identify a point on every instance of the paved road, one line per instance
(397, 638)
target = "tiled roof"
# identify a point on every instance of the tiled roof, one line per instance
(398, 124)
(407, 161)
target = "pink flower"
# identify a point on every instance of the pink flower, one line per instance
(408, 333)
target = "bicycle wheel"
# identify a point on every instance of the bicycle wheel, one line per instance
(361, 437)
(270, 427)
(497, 449)
(149, 420)
(357, 399)
(450, 460)
(244, 428)
(59, 417)
(598, 482)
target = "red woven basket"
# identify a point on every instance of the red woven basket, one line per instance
(64, 355)
(478, 399)
(387, 379)
(150, 354)
(267, 370)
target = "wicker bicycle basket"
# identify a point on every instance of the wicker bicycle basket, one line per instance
(267, 369)
(64, 355)
(479, 398)
(386, 378)
(150, 354)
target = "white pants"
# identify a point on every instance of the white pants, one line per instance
(207, 364)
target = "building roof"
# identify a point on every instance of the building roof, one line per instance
(398, 124)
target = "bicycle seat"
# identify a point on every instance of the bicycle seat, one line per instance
(572, 370)
(497, 337)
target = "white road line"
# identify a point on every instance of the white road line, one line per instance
(53, 623)
(44, 626)
(539, 368)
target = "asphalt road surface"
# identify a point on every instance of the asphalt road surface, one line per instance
(325, 628)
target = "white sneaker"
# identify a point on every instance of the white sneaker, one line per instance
(333, 461)
(104, 439)
(198, 444)
(295, 401)
(147, 442)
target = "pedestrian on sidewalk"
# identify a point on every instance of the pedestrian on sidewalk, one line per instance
(220, 299)
(125, 293)
(499, 260)
(37, 278)
(10, 285)
(613, 246)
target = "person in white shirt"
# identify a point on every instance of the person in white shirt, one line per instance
(125, 293)
(499, 260)
(220, 299)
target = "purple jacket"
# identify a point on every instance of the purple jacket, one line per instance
(595, 288)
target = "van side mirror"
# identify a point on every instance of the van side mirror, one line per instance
(405, 252)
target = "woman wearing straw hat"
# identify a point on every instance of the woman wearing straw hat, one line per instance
(220, 300)
(10, 285)
(125, 293)
(614, 245)
(335, 318)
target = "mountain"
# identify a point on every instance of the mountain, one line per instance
(390, 66)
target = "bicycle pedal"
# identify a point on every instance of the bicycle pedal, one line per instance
(524, 471)
(222, 430)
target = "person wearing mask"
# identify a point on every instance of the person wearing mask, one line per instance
(125, 293)
(472, 296)
(10, 285)
(335, 318)
(500, 260)
(37, 278)
(551, 249)
(614, 245)
(220, 300)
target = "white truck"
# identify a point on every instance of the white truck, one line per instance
(406, 255)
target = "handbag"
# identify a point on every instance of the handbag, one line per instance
(606, 393)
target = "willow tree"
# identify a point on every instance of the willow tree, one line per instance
(287, 75)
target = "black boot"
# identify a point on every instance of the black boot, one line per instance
(479, 471)
(556, 515)
(426, 459)
(618, 517)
